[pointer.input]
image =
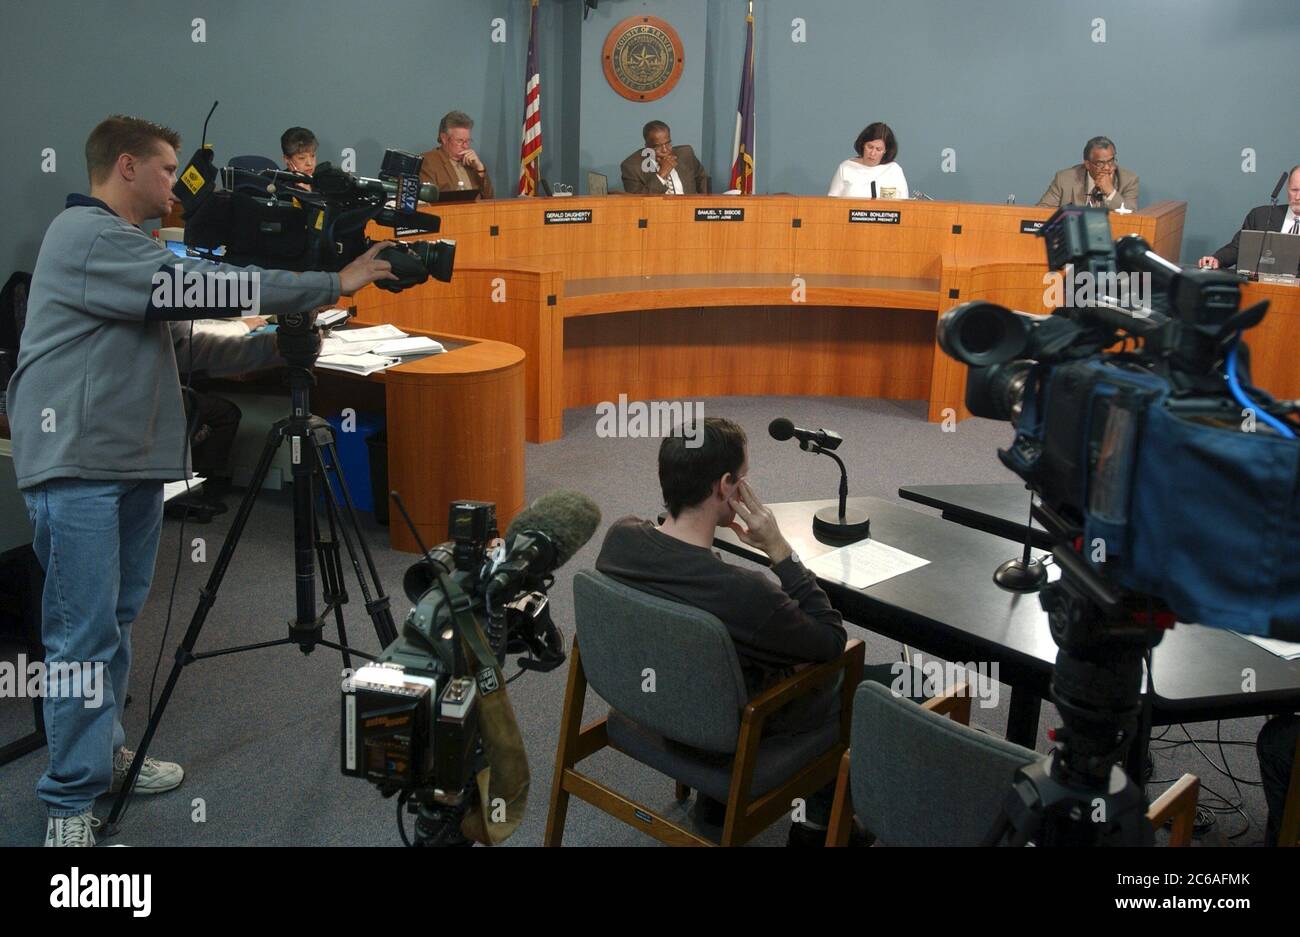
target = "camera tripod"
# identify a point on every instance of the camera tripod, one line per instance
(310, 438)
(1080, 794)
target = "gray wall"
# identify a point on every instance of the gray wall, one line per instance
(1183, 86)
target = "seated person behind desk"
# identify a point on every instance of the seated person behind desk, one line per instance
(659, 168)
(454, 165)
(298, 144)
(1098, 182)
(213, 419)
(873, 173)
(776, 626)
(1264, 218)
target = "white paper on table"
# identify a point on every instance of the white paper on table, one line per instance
(374, 333)
(1285, 649)
(864, 563)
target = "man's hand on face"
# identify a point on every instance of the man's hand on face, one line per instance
(1105, 179)
(760, 530)
(365, 270)
(470, 159)
(667, 163)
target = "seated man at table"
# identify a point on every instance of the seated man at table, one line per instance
(659, 168)
(1264, 218)
(1098, 182)
(777, 625)
(454, 165)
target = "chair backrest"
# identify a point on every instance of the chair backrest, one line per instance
(920, 779)
(668, 667)
(250, 164)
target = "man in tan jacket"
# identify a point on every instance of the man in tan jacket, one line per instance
(1098, 181)
(453, 165)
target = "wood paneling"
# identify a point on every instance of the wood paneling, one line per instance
(796, 298)
(1275, 341)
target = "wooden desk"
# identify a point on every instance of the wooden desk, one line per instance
(455, 429)
(1275, 342)
(799, 295)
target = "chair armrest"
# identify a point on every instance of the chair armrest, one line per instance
(806, 680)
(954, 703)
(1178, 804)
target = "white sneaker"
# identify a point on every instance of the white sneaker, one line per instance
(78, 830)
(154, 778)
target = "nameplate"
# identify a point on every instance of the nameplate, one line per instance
(1031, 227)
(576, 216)
(872, 216)
(719, 214)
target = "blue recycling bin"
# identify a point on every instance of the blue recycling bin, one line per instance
(354, 456)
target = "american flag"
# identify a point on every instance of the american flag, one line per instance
(530, 150)
(742, 152)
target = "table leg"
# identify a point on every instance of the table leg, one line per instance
(1022, 721)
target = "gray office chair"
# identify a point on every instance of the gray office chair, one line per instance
(918, 779)
(678, 704)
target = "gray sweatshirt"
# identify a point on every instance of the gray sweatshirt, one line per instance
(96, 393)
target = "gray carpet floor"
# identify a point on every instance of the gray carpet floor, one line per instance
(258, 733)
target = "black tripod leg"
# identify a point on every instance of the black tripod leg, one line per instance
(378, 607)
(207, 598)
(331, 569)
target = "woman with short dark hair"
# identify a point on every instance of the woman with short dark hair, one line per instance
(873, 173)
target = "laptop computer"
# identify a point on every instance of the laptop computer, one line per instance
(597, 183)
(1274, 253)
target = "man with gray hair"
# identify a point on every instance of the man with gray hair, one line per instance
(1098, 182)
(454, 166)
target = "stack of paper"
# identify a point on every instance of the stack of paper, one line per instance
(362, 363)
(365, 351)
(331, 317)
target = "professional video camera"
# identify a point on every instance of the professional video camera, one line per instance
(426, 718)
(1168, 484)
(291, 221)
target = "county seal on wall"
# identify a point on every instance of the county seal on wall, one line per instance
(643, 58)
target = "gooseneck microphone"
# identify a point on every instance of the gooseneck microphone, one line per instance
(831, 525)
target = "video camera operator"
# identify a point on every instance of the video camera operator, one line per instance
(98, 425)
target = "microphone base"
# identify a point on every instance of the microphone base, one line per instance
(829, 526)
(1018, 576)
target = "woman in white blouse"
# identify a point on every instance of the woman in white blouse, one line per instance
(874, 174)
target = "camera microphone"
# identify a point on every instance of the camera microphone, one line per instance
(329, 180)
(544, 536)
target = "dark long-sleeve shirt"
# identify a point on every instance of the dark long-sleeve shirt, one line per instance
(774, 626)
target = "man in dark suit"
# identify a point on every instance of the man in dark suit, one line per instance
(1264, 218)
(1098, 181)
(661, 168)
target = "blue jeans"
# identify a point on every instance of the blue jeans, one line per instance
(97, 541)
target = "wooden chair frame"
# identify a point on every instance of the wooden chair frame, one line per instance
(746, 815)
(1288, 834)
(1177, 805)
